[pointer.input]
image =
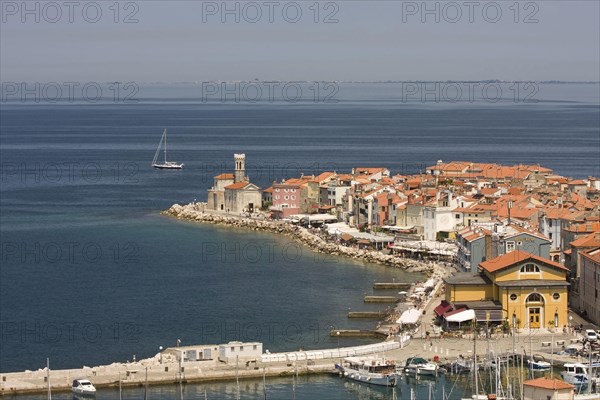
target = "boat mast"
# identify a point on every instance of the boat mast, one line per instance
(48, 378)
(146, 386)
(265, 385)
(165, 135)
(475, 358)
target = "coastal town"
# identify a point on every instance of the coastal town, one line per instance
(524, 243)
(511, 255)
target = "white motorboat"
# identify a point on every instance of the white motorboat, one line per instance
(83, 386)
(539, 365)
(420, 366)
(373, 370)
(578, 375)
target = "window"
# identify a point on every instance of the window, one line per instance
(550, 223)
(534, 298)
(510, 246)
(233, 349)
(277, 190)
(457, 216)
(530, 268)
(241, 348)
(519, 243)
(276, 197)
(293, 197)
(254, 347)
(556, 296)
(550, 235)
(513, 296)
(286, 197)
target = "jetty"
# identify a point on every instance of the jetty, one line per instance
(381, 299)
(367, 314)
(191, 364)
(391, 285)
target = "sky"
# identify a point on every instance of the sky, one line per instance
(175, 41)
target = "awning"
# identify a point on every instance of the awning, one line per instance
(411, 316)
(462, 316)
(443, 308)
(346, 237)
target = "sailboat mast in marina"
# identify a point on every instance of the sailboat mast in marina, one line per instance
(165, 164)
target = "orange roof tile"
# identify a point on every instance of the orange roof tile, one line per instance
(238, 185)
(592, 254)
(591, 240)
(516, 257)
(224, 176)
(548, 383)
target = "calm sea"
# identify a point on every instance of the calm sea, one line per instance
(91, 273)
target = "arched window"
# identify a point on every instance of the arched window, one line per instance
(530, 268)
(535, 298)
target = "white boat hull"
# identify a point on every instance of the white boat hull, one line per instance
(372, 379)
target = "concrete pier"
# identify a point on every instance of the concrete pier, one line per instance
(367, 314)
(391, 285)
(165, 371)
(381, 299)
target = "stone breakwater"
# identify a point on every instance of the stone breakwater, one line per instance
(194, 212)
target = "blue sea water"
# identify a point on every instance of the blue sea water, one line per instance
(91, 273)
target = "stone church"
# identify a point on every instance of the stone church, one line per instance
(233, 192)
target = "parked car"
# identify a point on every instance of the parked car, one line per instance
(591, 335)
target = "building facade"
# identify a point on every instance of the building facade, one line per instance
(531, 290)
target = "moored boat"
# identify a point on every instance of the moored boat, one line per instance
(539, 365)
(577, 374)
(373, 370)
(420, 366)
(83, 387)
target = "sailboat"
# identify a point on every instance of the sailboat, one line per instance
(166, 164)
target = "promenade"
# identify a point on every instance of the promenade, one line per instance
(159, 370)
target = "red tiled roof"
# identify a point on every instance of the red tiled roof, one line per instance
(443, 308)
(546, 383)
(516, 257)
(224, 176)
(592, 254)
(238, 185)
(591, 240)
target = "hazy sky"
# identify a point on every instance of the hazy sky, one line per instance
(371, 40)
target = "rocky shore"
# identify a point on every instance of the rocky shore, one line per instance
(194, 212)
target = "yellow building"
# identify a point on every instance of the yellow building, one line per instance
(530, 291)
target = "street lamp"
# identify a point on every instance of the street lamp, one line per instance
(338, 343)
(160, 349)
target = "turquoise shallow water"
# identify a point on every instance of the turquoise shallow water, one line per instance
(92, 274)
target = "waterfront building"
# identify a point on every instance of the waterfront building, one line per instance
(234, 352)
(548, 388)
(233, 192)
(287, 197)
(242, 197)
(578, 248)
(529, 290)
(438, 218)
(590, 284)
(216, 194)
(488, 240)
